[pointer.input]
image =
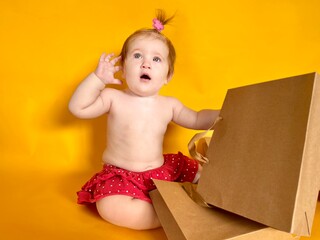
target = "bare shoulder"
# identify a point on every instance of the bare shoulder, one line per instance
(109, 96)
(111, 93)
(174, 102)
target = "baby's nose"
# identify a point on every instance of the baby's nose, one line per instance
(146, 65)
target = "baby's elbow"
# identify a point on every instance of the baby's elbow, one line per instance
(85, 113)
(76, 111)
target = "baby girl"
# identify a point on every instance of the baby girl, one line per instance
(137, 121)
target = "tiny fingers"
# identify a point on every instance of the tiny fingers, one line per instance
(115, 60)
(102, 57)
(107, 58)
(117, 68)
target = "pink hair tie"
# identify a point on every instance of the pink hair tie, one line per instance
(157, 25)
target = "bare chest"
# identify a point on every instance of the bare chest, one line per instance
(141, 114)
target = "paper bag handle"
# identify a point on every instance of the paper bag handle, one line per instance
(192, 146)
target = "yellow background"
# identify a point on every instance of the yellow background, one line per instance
(48, 47)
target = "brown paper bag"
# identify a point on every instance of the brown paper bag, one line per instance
(182, 218)
(264, 156)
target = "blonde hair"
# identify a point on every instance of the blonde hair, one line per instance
(151, 32)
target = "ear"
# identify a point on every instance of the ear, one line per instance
(123, 72)
(169, 78)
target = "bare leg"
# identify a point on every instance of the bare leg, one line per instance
(128, 212)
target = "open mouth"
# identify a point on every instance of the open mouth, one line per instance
(145, 77)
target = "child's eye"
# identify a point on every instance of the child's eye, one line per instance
(157, 59)
(137, 55)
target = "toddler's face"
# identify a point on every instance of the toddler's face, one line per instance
(146, 66)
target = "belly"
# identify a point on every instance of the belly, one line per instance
(136, 162)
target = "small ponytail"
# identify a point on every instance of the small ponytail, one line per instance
(160, 20)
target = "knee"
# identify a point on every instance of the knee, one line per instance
(106, 212)
(110, 212)
(130, 213)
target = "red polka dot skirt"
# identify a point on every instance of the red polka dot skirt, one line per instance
(112, 180)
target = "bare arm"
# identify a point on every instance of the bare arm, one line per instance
(91, 98)
(189, 118)
(87, 102)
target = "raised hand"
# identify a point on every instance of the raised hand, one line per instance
(106, 69)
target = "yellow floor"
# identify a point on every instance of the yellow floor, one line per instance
(43, 206)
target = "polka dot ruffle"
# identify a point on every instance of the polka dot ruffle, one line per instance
(112, 180)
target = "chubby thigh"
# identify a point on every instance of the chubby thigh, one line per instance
(128, 212)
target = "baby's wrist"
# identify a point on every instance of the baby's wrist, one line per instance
(99, 77)
(99, 80)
